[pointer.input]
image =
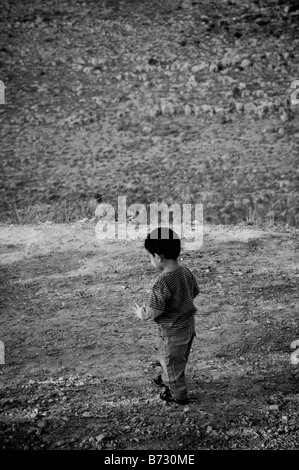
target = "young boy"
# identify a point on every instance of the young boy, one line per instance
(170, 305)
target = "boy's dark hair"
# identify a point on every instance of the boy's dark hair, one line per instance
(163, 241)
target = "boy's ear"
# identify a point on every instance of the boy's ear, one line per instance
(158, 257)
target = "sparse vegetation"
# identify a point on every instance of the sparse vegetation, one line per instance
(176, 102)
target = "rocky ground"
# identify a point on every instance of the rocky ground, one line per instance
(78, 365)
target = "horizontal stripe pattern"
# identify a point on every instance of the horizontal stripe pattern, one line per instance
(173, 294)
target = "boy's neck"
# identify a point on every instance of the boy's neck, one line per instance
(170, 265)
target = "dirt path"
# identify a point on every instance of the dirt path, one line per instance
(78, 364)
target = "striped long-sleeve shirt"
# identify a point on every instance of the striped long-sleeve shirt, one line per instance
(170, 301)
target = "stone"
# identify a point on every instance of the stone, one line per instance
(274, 407)
(245, 63)
(214, 68)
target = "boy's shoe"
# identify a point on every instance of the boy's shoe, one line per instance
(158, 381)
(166, 395)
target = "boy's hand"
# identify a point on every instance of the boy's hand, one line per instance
(138, 310)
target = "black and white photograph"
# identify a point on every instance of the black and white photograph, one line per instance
(149, 228)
